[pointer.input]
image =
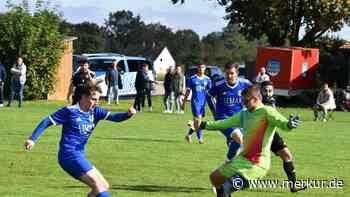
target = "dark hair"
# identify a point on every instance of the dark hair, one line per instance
(230, 65)
(252, 91)
(86, 89)
(82, 61)
(266, 83)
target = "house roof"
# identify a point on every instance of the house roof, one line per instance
(345, 46)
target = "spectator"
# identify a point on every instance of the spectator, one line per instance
(179, 88)
(82, 76)
(325, 101)
(143, 88)
(168, 91)
(114, 82)
(18, 80)
(344, 100)
(2, 82)
(262, 76)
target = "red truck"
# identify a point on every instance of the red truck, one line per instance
(292, 70)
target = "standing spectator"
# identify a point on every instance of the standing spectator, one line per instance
(2, 82)
(18, 80)
(113, 81)
(143, 88)
(262, 76)
(82, 76)
(325, 101)
(168, 91)
(179, 88)
(149, 87)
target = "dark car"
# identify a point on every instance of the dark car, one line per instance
(213, 72)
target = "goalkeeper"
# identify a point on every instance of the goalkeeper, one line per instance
(259, 123)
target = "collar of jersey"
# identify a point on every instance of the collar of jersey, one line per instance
(228, 85)
(76, 106)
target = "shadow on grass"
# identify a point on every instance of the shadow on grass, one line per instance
(138, 139)
(154, 188)
(174, 189)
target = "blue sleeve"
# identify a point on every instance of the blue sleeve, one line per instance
(40, 128)
(213, 91)
(209, 85)
(60, 117)
(100, 114)
(118, 117)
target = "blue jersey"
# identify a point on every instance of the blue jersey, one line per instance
(199, 87)
(77, 128)
(228, 98)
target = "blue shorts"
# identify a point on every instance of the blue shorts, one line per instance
(76, 167)
(198, 110)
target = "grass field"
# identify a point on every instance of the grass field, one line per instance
(147, 155)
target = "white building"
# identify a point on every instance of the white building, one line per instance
(163, 61)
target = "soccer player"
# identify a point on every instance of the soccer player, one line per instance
(278, 146)
(199, 84)
(229, 101)
(78, 123)
(259, 123)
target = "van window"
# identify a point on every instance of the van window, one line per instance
(135, 65)
(100, 64)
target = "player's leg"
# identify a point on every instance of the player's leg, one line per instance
(195, 112)
(196, 122)
(218, 180)
(279, 147)
(98, 184)
(80, 168)
(233, 145)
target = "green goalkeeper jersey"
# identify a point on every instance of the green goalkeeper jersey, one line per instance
(259, 128)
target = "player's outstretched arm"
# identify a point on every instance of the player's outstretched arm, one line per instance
(233, 121)
(30, 142)
(278, 120)
(118, 117)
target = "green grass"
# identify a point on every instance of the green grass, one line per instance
(147, 156)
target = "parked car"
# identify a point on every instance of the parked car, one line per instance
(128, 65)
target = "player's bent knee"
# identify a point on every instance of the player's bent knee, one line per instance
(217, 179)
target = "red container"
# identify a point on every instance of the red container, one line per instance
(292, 70)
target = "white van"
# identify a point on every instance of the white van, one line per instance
(128, 65)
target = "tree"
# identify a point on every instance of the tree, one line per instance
(283, 20)
(188, 47)
(37, 39)
(120, 26)
(91, 38)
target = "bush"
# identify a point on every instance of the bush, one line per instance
(37, 39)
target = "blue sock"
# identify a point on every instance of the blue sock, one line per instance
(103, 194)
(199, 134)
(190, 132)
(233, 147)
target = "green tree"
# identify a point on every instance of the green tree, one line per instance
(91, 38)
(188, 47)
(37, 39)
(119, 27)
(283, 20)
